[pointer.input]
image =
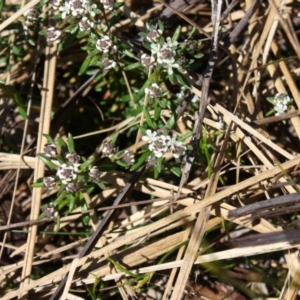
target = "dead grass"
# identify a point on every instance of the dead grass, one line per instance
(263, 167)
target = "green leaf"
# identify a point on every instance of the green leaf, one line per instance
(49, 139)
(133, 66)
(72, 200)
(171, 121)
(61, 192)
(191, 33)
(183, 137)
(85, 216)
(198, 55)
(22, 112)
(121, 163)
(271, 112)
(172, 78)
(157, 111)
(114, 138)
(85, 65)
(62, 144)
(47, 161)
(148, 118)
(101, 185)
(182, 79)
(67, 40)
(140, 161)
(176, 171)
(270, 100)
(147, 46)
(60, 160)
(31, 42)
(161, 26)
(128, 53)
(71, 146)
(160, 164)
(1, 5)
(176, 34)
(38, 184)
(57, 224)
(151, 79)
(122, 269)
(10, 92)
(87, 164)
(43, 32)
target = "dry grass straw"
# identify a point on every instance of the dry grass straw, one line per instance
(194, 215)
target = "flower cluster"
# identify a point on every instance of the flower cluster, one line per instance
(280, 103)
(163, 53)
(107, 47)
(50, 150)
(109, 149)
(76, 8)
(160, 144)
(168, 54)
(95, 174)
(69, 172)
(50, 211)
(31, 16)
(53, 35)
(154, 91)
(108, 4)
(128, 157)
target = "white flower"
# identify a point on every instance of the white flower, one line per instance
(155, 48)
(149, 136)
(280, 103)
(108, 64)
(282, 98)
(95, 174)
(104, 44)
(65, 9)
(53, 35)
(166, 55)
(31, 13)
(128, 157)
(280, 109)
(160, 145)
(67, 173)
(195, 99)
(90, 8)
(154, 35)
(154, 91)
(49, 182)
(108, 4)
(85, 24)
(50, 150)
(56, 4)
(182, 92)
(177, 147)
(72, 187)
(171, 44)
(147, 60)
(220, 124)
(170, 67)
(77, 7)
(73, 158)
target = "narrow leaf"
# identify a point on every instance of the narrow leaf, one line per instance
(47, 162)
(148, 118)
